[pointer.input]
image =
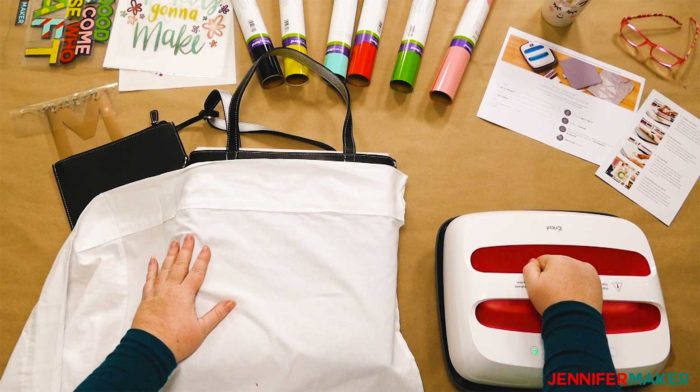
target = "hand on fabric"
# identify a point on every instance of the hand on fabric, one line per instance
(551, 279)
(167, 308)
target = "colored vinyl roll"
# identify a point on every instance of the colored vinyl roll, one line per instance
(406, 68)
(412, 45)
(450, 76)
(258, 41)
(337, 59)
(269, 72)
(293, 37)
(340, 37)
(295, 74)
(364, 51)
(459, 53)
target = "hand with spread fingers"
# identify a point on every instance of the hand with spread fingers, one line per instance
(167, 307)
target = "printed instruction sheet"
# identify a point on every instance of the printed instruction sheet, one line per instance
(560, 97)
(658, 161)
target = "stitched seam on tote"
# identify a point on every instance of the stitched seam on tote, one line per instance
(63, 197)
(314, 212)
(144, 228)
(139, 229)
(378, 159)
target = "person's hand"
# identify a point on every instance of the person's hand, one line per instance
(167, 308)
(551, 279)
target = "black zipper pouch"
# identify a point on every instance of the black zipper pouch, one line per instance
(150, 152)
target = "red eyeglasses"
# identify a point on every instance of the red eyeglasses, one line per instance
(633, 36)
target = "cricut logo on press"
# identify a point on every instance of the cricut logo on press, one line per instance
(556, 228)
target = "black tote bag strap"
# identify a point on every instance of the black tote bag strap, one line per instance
(233, 142)
(217, 96)
(212, 117)
(213, 99)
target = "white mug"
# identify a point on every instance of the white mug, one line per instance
(562, 12)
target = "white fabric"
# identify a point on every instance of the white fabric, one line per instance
(308, 249)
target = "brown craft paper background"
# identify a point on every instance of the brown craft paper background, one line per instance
(456, 163)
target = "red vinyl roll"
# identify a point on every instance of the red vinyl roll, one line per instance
(361, 63)
(519, 315)
(607, 261)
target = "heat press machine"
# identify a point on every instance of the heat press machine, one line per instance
(491, 332)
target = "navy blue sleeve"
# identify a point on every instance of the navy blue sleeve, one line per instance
(575, 345)
(141, 362)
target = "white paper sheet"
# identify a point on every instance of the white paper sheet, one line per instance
(183, 38)
(549, 110)
(658, 161)
(140, 80)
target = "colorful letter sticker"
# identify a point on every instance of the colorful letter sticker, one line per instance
(65, 30)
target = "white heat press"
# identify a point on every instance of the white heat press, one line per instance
(491, 332)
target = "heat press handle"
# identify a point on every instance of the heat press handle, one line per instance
(519, 315)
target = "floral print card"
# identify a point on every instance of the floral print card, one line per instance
(172, 37)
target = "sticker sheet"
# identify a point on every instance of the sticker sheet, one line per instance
(62, 31)
(172, 37)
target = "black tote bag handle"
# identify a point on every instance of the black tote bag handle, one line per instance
(233, 142)
(211, 115)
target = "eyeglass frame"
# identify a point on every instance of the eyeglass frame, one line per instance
(652, 45)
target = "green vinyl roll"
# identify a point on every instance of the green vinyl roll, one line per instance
(405, 71)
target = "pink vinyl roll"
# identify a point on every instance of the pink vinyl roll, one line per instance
(450, 75)
(460, 50)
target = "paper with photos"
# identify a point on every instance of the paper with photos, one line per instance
(565, 99)
(172, 37)
(658, 162)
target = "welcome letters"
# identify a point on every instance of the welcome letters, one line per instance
(71, 26)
